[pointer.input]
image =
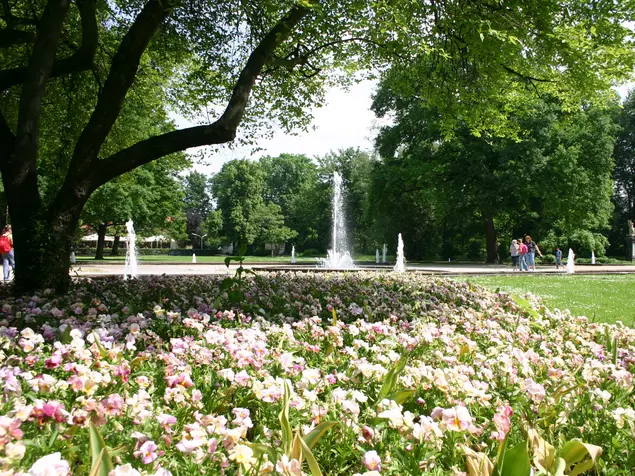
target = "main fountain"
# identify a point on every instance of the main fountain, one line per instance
(338, 257)
(130, 270)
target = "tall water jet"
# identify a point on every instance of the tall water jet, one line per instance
(293, 254)
(383, 256)
(130, 269)
(571, 262)
(400, 266)
(593, 257)
(338, 257)
(193, 257)
(377, 256)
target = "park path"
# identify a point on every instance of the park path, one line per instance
(88, 269)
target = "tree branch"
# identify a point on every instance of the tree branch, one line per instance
(525, 77)
(19, 170)
(219, 132)
(123, 71)
(10, 37)
(81, 60)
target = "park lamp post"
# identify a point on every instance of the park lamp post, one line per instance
(201, 237)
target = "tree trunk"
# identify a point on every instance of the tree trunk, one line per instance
(42, 253)
(115, 246)
(490, 238)
(101, 241)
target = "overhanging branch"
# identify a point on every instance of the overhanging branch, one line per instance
(123, 71)
(81, 60)
(219, 132)
(525, 77)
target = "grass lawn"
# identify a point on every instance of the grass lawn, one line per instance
(605, 298)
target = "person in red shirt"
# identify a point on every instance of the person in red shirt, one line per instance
(522, 255)
(6, 248)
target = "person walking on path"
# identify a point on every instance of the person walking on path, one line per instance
(6, 248)
(522, 255)
(558, 258)
(513, 251)
(532, 249)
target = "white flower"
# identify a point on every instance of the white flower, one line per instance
(125, 470)
(50, 465)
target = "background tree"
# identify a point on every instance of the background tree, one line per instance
(291, 182)
(151, 196)
(624, 176)
(198, 204)
(238, 189)
(552, 182)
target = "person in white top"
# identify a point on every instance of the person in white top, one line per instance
(513, 251)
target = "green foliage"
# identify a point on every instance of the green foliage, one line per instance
(150, 195)
(238, 190)
(553, 181)
(101, 461)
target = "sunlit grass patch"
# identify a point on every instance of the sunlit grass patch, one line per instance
(603, 298)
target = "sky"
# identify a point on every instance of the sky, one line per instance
(345, 121)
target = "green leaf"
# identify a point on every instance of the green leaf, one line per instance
(101, 462)
(260, 449)
(526, 306)
(65, 338)
(561, 466)
(296, 448)
(283, 417)
(102, 351)
(515, 462)
(401, 396)
(318, 432)
(390, 380)
(310, 459)
(226, 283)
(334, 312)
(575, 451)
(242, 249)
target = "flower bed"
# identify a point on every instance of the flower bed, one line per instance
(361, 373)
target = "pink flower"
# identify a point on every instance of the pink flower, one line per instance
(502, 420)
(147, 452)
(372, 461)
(54, 361)
(113, 404)
(535, 390)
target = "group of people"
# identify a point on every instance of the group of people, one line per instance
(523, 252)
(6, 249)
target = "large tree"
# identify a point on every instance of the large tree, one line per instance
(212, 54)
